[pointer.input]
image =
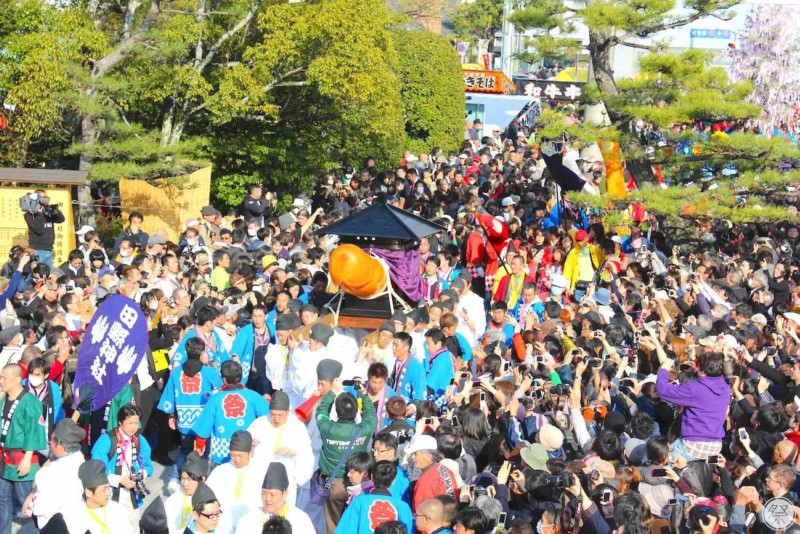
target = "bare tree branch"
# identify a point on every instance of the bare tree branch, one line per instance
(212, 52)
(649, 48)
(103, 65)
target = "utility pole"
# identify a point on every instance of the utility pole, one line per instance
(508, 39)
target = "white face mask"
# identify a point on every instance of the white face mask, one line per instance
(191, 242)
(252, 232)
(153, 305)
(420, 190)
(35, 381)
(125, 253)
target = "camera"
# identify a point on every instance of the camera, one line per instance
(562, 480)
(355, 382)
(526, 402)
(140, 488)
(29, 203)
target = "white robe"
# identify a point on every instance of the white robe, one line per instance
(276, 365)
(58, 487)
(254, 521)
(78, 519)
(223, 481)
(294, 435)
(303, 373)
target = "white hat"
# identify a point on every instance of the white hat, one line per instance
(421, 442)
(794, 317)
(298, 203)
(84, 229)
(508, 201)
(411, 158)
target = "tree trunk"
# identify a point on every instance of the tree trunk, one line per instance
(166, 124)
(600, 53)
(85, 211)
(174, 122)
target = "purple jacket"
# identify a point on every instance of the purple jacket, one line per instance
(705, 401)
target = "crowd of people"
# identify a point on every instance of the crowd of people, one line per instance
(558, 375)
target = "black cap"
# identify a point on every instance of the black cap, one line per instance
(388, 326)
(328, 370)
(68, 434)
(154, 518)
(202, 495)
(241, 441)
(195, 465)
(287, 321)
(93, 474)
(279, 401)
(276, 477)
(321, 333)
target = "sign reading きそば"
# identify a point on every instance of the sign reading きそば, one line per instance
(113, 346)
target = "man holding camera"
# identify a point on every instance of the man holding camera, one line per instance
(41, 219)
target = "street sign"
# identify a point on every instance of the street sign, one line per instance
(709, 34)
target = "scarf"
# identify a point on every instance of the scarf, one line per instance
(452, 466)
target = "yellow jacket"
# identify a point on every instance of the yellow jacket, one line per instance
(571, 263)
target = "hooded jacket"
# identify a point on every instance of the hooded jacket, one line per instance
(705, 401)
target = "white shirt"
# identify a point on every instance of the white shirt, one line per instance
(224, 480)
(474, 306)
(58, 487)
(343, 349)
(276, 364)
(143, 374)
(177, 519)
(78, 519)
(294, 435)
(10, 355)
(303, 373)
(254, 521)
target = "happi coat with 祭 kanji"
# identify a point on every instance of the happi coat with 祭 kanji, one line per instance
(369, 510)
(185, 395)
(230, 409)
(26, 432)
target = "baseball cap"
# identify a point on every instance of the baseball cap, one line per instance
(421, 442)
(580, 235)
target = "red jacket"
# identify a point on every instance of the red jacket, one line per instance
(435, 480)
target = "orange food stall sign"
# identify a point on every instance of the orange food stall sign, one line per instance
(488, 81)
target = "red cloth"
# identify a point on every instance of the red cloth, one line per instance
(56, 371)
(500, 294)
(436, 480)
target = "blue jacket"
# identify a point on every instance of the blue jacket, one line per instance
(102, 450)
(216, 358)
(412, 387)
(369, 510)
(440, 373)
(12, 288)
(243, 347)
(185, 396)
(399, 488)
(228, 410)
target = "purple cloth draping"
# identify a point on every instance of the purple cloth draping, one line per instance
(403, 270)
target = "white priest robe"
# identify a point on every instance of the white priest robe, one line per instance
(238, 490)
(105, 520)
(294, 435)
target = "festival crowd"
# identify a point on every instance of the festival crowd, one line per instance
(559, 374)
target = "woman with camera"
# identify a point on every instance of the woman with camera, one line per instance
(127, 460)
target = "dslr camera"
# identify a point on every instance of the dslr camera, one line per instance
(140, 489)
(561, 480)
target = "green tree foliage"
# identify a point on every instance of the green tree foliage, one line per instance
(479, 19)
(432, 90)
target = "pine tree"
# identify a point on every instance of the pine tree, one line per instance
(768, 56)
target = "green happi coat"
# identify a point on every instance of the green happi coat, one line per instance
(27, 432)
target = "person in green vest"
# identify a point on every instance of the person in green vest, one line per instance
(22, 433)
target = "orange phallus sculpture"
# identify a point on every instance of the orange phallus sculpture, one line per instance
(615, 173)
(356, 272)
